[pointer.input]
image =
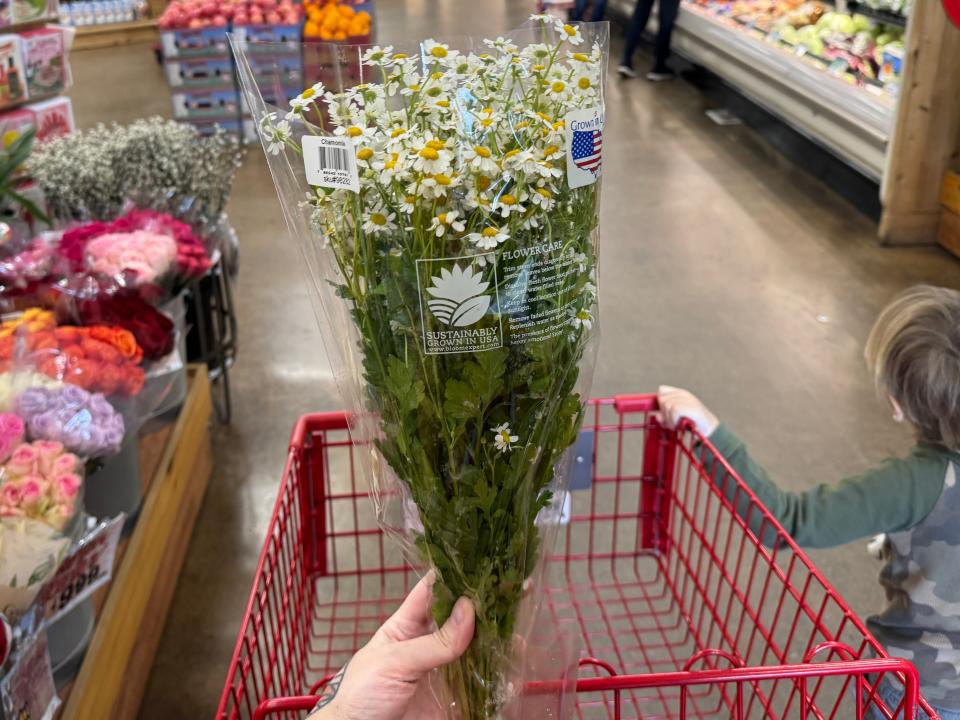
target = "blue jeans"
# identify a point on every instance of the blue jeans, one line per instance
(892, 695)
(580, 9)
(667, 10)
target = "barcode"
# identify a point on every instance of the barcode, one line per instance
(333, 158)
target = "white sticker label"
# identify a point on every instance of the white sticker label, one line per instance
(88, 568)
(330, 162)
(584, 129)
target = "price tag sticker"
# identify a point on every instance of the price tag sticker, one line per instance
(330, 162)
(88, 568)
(28, 690)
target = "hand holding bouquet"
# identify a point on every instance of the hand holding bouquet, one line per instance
(454, 209)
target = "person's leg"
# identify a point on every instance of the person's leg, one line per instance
(661, 49)
(641, 14)
(599, 8)
(579, 8)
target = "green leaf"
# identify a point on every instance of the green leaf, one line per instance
(462, 402)
(402, 385)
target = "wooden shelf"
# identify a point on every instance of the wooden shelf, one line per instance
(90, 37)
(175, 464)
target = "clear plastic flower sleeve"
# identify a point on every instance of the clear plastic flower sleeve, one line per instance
(446, 204)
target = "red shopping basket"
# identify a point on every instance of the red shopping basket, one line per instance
(683, 612)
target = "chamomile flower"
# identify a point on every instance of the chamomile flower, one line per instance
(488, 238)
(547, 170)
(570, 33)
(503, 440)
(408, 204)
(508, 204)
(308, 97)
(581, 260)
(437, 51)
(581, 319)
(438, 185)
(277, 134)
(590, 290)
(377, 55)
(480, 158)
(357, 133)
(432, 158)
(447, 221)
(542, 198)
(380, 220)
(543, 17)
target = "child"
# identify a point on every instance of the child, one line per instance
(914, 353)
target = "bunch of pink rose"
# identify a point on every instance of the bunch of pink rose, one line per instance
(41, 481)
(148, 255)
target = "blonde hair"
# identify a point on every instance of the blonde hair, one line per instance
(914, 353)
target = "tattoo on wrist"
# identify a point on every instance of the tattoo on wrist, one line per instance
(331, 689)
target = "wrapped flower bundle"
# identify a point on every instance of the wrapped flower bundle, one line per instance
(98, 358)
(12, 431)
(154, 331)
(84, 423)
(450, 233)
(31, 320)
(141, 247)
(40, 481)
(30, 265)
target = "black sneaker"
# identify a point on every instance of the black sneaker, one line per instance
(626, 71)
(661, 74)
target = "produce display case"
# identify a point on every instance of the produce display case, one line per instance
(833, 75)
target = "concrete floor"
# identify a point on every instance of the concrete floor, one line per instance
(723, 270)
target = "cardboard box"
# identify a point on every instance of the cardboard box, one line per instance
(200, 72)
(950, 191)
(45, 61)
(949, 235)
(13, 84)
(270, 39)
(273, 96)
(203, 42)
(14, 123)
(53, 118)
(207, 126)
(204, 103)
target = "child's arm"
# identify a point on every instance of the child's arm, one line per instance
(892, 497)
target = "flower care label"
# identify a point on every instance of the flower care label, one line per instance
(540, 291)
(330, 162)
(459, 304)
(28, 691)
(584, 129)
(89, 567)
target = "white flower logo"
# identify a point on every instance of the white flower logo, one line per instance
(459, 296)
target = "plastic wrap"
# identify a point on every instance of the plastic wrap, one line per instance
(450, 233)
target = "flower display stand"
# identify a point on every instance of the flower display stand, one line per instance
(175, 463)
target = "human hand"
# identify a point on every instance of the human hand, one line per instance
(676, 403)
(386, 679)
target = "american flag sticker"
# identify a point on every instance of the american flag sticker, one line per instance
(584, 129)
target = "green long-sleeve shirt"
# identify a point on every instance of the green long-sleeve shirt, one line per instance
(893, 497)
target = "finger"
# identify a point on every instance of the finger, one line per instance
(412, 619)
(420, 655)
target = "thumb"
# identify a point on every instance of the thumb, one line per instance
(421, 655)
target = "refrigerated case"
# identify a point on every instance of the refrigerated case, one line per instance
(847, 114)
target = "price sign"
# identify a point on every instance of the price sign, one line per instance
(27, 690)
(86, 569)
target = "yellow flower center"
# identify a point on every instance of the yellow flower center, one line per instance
(437, 75)
(414, 88)
(354, 131)
(488, 111)
(410, 199)
(434, 91)
(489, 232)
(583, 83)
(482, 151)
(558, 87)
(583, 315)
(308, 93)
(508, 199)
(511, 153)
(545, 117)
(438, 51)
(364, 154)
(397, 133)
(428, 153)
(441, 179)
(538, 68)
(486, 122)
(505, 437)
(483, 183)
(391, 163)
(442, 219)
(378, 219)
(435, 144)
(485, 56)
(550, 150)
(522, 124)
(570, 30)
(559, 125)
(443, 103)
(543, 192)
(547, 164)
(400, 56)
(580, 57)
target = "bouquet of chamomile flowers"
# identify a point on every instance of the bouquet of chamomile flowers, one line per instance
(450, 229)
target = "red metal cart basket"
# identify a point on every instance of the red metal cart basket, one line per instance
(683, 612)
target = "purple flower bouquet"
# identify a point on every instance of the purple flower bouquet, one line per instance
(84, 422)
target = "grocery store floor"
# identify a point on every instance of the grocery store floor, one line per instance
(723, 269)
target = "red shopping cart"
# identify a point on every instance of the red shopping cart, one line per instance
(683, 611)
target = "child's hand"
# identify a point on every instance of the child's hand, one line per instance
(676, 404)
